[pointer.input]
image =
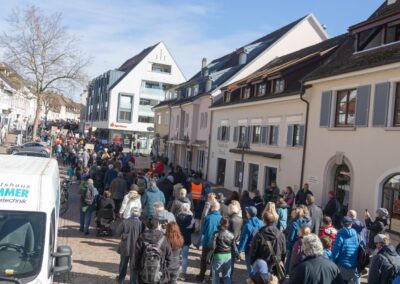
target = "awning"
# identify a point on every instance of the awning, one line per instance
(257, 153)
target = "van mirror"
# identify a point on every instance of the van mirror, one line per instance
(63, 262)
(4, 280)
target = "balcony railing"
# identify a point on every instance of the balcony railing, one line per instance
(152, 93)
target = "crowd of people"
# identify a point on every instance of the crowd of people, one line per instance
(281, 236)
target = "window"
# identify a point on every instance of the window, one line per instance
(148, 102)
(273, 132)
(177, 121)
(390, 199)
(295, 135)
(125, 104)
(195, 90)
(256, 134)
(242, 133)
(345, 107)
(238, 173)
(189, 92)
(278, 86)
(201, 120)
(158, 119)
(270, 176)
(223, 133)
(186, 120)
(205, 119)
(253, 177)
(161, 68)
(146, 119)
(396, 121)
(245, 93)
(227, 97)
(262, 88)
(152, 85)
(200, 159)
(393, 32)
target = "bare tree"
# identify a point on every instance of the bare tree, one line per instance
(41, 50)
(49, 102)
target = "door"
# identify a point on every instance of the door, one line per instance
(342, 186)
(270, 176)
(253, 177)
(221, 171)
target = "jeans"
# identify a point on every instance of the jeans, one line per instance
(203, 261)
(85, 218)
(350, 275)
(224, 267)
(185, 254)
(249, 267)
(123, 266)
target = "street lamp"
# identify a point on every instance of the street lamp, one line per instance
(243, 145)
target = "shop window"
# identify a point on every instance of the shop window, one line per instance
(391, 201)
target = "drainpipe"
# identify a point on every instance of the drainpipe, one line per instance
(209, 142)
(303, 159)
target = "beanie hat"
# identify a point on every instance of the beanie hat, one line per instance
(382, 213)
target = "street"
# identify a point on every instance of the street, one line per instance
(95, 259)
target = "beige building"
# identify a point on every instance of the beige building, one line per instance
(264, 111)
(353, 139)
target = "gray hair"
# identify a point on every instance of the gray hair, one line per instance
(352, 213)
(312, 245)
(215, 205)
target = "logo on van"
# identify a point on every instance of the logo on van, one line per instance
(13, 193)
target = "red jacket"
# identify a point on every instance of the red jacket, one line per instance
(159, 168)
(329, 231)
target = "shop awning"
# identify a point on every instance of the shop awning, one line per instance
(257, 153)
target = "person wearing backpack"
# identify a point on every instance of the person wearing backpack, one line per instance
(129, 230)
(89, 196)
(155, 254)
(250, 228)
(345, 252)
(152, 195)
(385, 265)
(176, 241)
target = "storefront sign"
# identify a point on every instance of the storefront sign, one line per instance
(113, 124)
(312, 180)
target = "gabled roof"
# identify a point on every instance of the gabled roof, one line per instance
(223, 68)
(296, 64)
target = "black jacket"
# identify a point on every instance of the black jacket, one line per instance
(129, 230)
(186, 225)
(167, 188)
(332, 208)
(259, 204)
(259, 248)
(223, 241)
(235, 226)
(301, 196)
(380, 270)
(153, 236)
(316, 218)
(245, 202)
(316, 270)
(376, 227)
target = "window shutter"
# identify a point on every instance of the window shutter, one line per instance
(381, 104)
(247, 134)
(268, 134)
(235, 133)
(228, 130)
(289, 138)
(326, 102)
(301, 135)
(362, 106)
(264, 134)
(219, 133)
(276, 135)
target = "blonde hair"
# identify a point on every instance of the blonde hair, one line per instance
(234, 207)
(182, 192)
(297, 213)
(211, 196)
(304, 231)
(270, 208)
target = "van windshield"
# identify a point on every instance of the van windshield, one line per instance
(22, 236)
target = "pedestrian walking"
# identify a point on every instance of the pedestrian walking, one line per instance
(328, 229)
(282, 210)
(179, 201)
(163, 215)
(272, 193)
(131, 200)
(378, 226)
(118, 189)
(151, 196)
(167, 187)
(259, 203)
(356, 224)
(289, 196)
(297, 255)
(88, 204)
(301, 195)
(245, 201)
(176, 241)
(315, 214)
(129, 231)
(333, 209)
(235, 226)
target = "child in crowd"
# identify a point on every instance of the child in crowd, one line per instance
(327, 245)
(328, 229)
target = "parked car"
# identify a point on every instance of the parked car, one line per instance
(31, 147)
(32, 154)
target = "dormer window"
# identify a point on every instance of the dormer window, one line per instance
(242, 58)
(188, 92)
(261, 89)
(245, 93)
(277, 86)
(227, 97)
(195, 90)
(393, 32)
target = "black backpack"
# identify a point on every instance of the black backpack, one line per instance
(151, 261)
(363, 255)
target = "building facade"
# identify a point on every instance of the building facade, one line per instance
(190, 117)
(354, 123)
(119, 103)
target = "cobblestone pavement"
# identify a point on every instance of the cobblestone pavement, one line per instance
(95, 259)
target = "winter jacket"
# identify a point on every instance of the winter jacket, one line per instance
(235, 226)
(376, 227)
(301, 196)
(259, 204)
(167, 188)
(177, 204)
(316, 218)
(150, 196)
(245, 202)
(153, 236)
(329, 231)
(210, 225)
(251, 227)
(345, 248)
(223, 241)
(95, 193)
(282, 211)
(357, 225)
(109, 176)
(294, 229)
(289, 198)
(186, 224)
(296, 255)
(259, 248)
(380, 269)
(316, 270)
(131, 199)
(271, 194)
(129, 231)
(118, 188)
(332, 208)
(260, 273)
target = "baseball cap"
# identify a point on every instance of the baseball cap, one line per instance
(347, 220)
(380, 238)
(251, 210)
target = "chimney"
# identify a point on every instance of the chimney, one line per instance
(390, 2)
(204, 68)
(203, 63)
(208, 85)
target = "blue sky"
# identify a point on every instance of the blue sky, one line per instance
(111, 31)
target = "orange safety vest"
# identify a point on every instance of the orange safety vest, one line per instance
(197, 190)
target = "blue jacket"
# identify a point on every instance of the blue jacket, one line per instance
(294, 229)
(210, 225)
(345, 248)
(150, 196)
(247, 233)
(110, 175)
(283, 217)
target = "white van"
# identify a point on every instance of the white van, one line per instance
(29, 208)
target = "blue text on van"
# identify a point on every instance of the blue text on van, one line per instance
(14, 192)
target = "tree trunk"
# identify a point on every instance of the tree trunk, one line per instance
(37, 116)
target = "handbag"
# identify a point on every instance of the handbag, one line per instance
(279, 266)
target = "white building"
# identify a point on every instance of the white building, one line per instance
(120, 101)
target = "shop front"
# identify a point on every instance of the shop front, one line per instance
(391, 201)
